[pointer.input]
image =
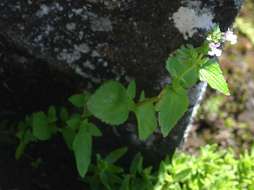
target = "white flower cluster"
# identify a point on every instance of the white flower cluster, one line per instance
(215, 47)
(230, 37)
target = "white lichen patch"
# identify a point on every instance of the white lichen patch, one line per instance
(71, 26)
(69, 57)
(101, 24)
(79, 71)
(83, 48)
(95, 54)
(89, 65)
(44, 10)
(191, 17)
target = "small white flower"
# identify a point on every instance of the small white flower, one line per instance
(214, 49)
(231, 37)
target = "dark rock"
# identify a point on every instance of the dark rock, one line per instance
(51, 49)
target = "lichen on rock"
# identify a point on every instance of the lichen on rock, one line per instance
(191, 17)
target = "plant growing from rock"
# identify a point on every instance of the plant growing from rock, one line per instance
(112, 103)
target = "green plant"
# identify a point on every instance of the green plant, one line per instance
(106, 174)
(211, 169)
(112, 102)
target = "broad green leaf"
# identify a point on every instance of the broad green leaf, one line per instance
(41, 128)
(131, 90)
(52, 114)
(147, 121)
(171, 107)
(91, 128)
(116, 155)
(183, 66)
(211, 73)
(82, 147)
(74, 122)
(68, 136)
(78, 100)
(94, 131)
(110, 103)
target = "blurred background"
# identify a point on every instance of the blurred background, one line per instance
(229, 121)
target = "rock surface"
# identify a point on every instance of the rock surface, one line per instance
(51, 49)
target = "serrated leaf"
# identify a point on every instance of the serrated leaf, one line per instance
(131, 90)
(211, 73)
(116, 155)
(183, 68)
(147, 121)
(110, 103)
(171, 107)
(78, 100)
(82, 147)
(41, 128)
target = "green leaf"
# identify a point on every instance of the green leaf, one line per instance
(27, 137)
(131, 90)
(20, 150)
(82, 147)
(126, 183)
(171, 107)
(41, 128)
(68, 136)
(116, 155)
(22, 127)
(142, 96)
(183, 174)
(136, 164)
(147, 121)
(74, 122)
(211, 73)
(183, 66)
(110, 103)
(78, 100)
(52, 114)
(64, 115)
(93, 130)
